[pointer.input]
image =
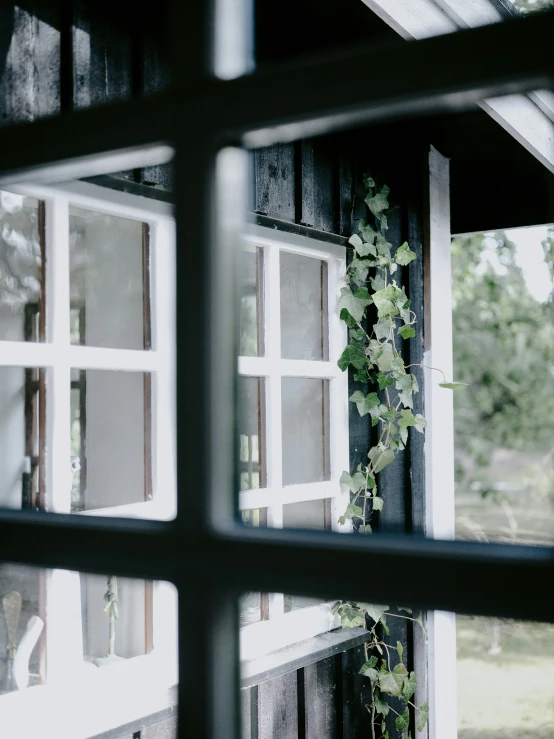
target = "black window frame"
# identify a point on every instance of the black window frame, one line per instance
(209, 556)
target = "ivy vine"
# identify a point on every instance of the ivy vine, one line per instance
(372, 352)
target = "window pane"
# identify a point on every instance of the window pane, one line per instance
(305, 438)
(22, 438)
(109, 263)
(254, 606)
(68, 630)
(303, 309)
(251, 432)
(111, 455)
(251, 304)
(21, 268)
(309, 514)
(503, 342)
(505, 678)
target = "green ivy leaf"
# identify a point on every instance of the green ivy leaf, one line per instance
(384, 380)
(385, 358)
(397, 367)
(383, 328)
(406, 419)
(407, 332)
(410, 686)
(380, 458)
(379, 202)
(452, 385)
(361, 376)
(399, 649)
(423, 716)
(403, 721)
(420, 423)
(354, 355)
(404, 435)
(347, 318)
(375, 611)
(363, 249)
(358, 271)
(377, 282)
(378, 412)
(364, 403)
(381, 706)
(355, 241)
(355, 304)
(342, 520)
(368, 181)
(391, 682)
(378, 504)
(370, 672)
(404, 255)
(357, 334)
(383, 246)
(353, 510)
(384, 222)
(406, 398)
(354, 483)
(368, 233)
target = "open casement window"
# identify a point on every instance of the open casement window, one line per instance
(293, 412)
(87, 391)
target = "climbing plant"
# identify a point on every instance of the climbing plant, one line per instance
(378, 314)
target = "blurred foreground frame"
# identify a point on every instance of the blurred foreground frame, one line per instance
(196, 119)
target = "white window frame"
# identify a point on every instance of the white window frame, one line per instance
(64, 643)
(283, 628)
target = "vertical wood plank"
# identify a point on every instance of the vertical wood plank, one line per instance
(278, 708)
(30, 61)
(275, 181)
(356, 694)
(319, 184)
(321, 688)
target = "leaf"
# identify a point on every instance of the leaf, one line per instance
(452, 385)
(369, 671)
(354, 355)
(364, 403)
(383, 328)
(347, 318)
(391, 682)
(404, 435)
(403, 721)
(357, 334)
(350, 617)
(352, 510)
(406, 419)
(375, 611)
(420, 423)
(405, 609)
(378, 503)
(399, 649)
(378, 202)
(380, 459)
(383, 246)
(377, 282)
(410, 686)
(361, 376)
(342, 520)
(404, 382)
(381, 707)
(368, 233)
(407, 332)
(353, 483)
(355, 241)
(358, 271)
(384, 380)
(368, 181)
(423, 716)
(378, 411)
(397, 366)
(404, 255)
(385, 358)
(406, 398)
(354, 303)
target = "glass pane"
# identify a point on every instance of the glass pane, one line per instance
(504, 421)
(78, 634)
(303, 309)
(251, 431)
(251, 304)
(254, 606)
(22, 438)
(505, 678)
(111, 455)
(304, 428)
(110, 303)
(309, 514)
(22, 275)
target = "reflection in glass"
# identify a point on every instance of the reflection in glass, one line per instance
(22, 438)
(303, 310)
(310, 514)
(504, 422)
(22, 275)
(254, 606)
(505, 678)
(109, 262)
(110, 439)
(305, 438)
(251, 304)
(251, 426)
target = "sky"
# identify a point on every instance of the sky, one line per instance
(530, 258)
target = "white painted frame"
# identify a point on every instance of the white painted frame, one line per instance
(64, 644)
(282, 629)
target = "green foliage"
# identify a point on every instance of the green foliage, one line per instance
(373, 353)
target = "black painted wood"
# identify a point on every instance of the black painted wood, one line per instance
(321, 681)
(275, 182)
(355, 695)
(278, 708)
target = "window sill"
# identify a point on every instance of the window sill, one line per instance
(301, 654)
